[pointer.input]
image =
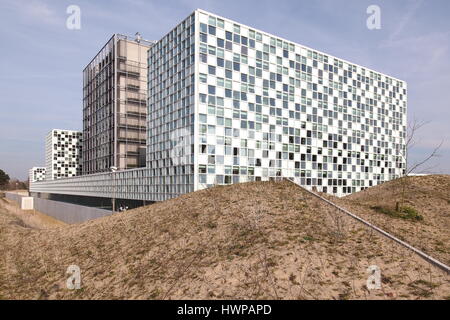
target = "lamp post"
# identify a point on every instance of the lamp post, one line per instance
(113, 198)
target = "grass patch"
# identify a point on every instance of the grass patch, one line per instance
(405, 212)
(422, 288)
(211, 225)
(154, 294)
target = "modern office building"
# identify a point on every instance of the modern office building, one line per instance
(63, 154)
(36, 174)
(115, 105)
(228, 103)
(255, 106)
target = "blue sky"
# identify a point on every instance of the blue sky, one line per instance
(42, 61)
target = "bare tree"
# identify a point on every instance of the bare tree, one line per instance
(410, 142)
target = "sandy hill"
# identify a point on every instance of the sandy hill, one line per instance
(260, 240)
(427, 198)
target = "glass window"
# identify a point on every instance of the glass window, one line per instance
(203, 48)
(212, 20)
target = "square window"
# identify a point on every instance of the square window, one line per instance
(212, 20)
(202, 118)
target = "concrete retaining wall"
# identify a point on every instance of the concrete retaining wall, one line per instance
(63, 211)
(68, 212)
(14, 196)
(25, 202)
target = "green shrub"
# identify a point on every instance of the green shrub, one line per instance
(411, 213)
(405, 212)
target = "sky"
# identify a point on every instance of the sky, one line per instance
(41, 60)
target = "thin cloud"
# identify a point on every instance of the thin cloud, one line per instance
(405, 20)
(36, 11)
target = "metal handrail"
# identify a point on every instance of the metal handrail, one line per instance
(422, 254)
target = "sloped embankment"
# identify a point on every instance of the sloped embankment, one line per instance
(261, 240)
(426, 196)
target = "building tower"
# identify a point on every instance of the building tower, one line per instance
(115, 105)
(63, 154)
